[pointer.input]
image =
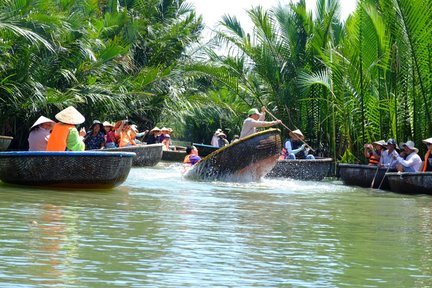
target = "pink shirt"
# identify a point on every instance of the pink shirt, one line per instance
(38, 139)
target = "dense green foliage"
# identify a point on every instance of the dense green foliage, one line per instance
(341, 83)
(110, 59)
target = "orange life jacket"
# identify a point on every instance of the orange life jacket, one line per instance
(58, 138)
(126, 138)
(373, 160)
(284, 154)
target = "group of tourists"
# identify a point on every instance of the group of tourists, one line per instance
(403, 158)
(47, 135)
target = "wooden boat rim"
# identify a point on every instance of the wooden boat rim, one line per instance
(307, 160)
(240, 141)
(99, 153)
(6, 137)
(409, 173)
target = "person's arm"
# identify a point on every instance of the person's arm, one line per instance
(74, 141)
(409, 162)
(288, 147)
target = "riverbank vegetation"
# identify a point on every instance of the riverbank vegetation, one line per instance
(341, 83)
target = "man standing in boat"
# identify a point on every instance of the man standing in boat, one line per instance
(254, 120)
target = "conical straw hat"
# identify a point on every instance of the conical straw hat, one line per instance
(70, 116)
(41, 120)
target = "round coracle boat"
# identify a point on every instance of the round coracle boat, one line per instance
(410, 182)
(363, 176)
(146, 155)
(302, 169)
(245, 160)
(99, 170)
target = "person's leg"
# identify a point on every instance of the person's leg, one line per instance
(291, 156)
(310, 157)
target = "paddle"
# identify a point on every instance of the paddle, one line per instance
(376, 173)
(289, 130)
(382, 180)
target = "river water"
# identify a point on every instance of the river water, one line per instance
(160, 230)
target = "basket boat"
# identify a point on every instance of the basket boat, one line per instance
(86, 169)
(245, 160)
(410, 182)
(146, 155)
(363, 176)
(302, 169)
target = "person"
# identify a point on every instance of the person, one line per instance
(153, 136)
(191, 157)
(386, 159)
(165, 138)
(427, 163)
(373, 152)
(95, 138)
(295, 148)
(412, 162)
(222, 141)
(65, 135)
(138, 134)
(254, 120)
(215, 138)
(125, 134)
(110, 139)
(235, 138)
(39, 134)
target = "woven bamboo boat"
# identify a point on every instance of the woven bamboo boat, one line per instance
(174, 156)
(204, 149)
(363, 176)
(4, 142)
(245, 160)
(77, 170)
(410, 182)
(146, 155)
(302, 169)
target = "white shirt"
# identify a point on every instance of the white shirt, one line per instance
(38, 139)
(412, 160)
(387, 160)
(214, 141)
(250, 124)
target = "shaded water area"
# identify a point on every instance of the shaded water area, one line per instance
(159, 230)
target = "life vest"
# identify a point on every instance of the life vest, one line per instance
(58, 138)
(427, 162)
(284, 154)
(126, 138)
(373, 160)
(191, 159)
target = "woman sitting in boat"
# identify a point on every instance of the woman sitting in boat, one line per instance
(427, 163)
(110, 138)
(65, 135)
(39, 134)
(191, 157)
(222, 141)
(386, 159)
(165, 138)
(254, 120)
(153, 136)
(95, 138)
(125, 134)
(412, 162)
(373, 152)
(295, 148)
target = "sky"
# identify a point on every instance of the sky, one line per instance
(213, 10)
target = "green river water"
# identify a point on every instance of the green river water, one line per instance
(160, 230)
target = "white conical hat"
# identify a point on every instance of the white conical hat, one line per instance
(41, 120)
(298, 133)
(70, 116)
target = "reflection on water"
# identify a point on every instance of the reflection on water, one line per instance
(160, 230)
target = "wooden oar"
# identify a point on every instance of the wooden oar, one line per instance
(289, 130)
(376, 173)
